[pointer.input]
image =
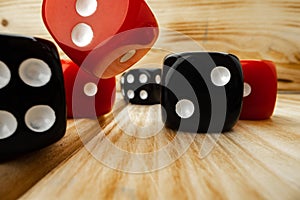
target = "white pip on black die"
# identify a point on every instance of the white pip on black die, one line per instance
(141, 86)
(32, 95)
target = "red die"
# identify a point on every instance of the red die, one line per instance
(260, 89)
(104, 37)
(86, 95)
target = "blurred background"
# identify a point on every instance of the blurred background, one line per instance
(250, 29)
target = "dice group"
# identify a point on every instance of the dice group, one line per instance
(104, 37)
(198, 91)
(141, 86)
(192, 85)
(32, 96)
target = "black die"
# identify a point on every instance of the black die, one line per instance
(32, 96)
(201, 92)
(141, 86)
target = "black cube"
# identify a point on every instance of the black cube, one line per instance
(32, 95)
(201, 92)
(142, 86)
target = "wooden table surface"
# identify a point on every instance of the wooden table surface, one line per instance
(127, 154)
(257, 160)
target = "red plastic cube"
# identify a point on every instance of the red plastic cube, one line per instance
(260, 89)
(104, 37)
(86, 95)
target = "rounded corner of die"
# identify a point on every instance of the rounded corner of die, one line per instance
(170, 59)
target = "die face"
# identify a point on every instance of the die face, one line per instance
(260, 89)
(141, 86)
(201, 92)
(34, 95)
(93, 41)
(86, 95)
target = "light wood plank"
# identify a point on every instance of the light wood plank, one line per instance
(257, 160)
(20, 174)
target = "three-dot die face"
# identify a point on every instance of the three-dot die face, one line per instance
(32, 96)
(105, 37)
(201, 92)
(141, 86)
(86, 95)
(260, 89)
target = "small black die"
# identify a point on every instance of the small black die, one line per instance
(32, 96)
(201, 92)
(141, 86)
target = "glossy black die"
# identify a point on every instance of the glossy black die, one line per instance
(32, 96)
(201, 92)
(141, 86)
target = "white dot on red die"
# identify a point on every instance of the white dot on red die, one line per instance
(5, 75)
(143, 94)
(130, 94)
(220, 76)
(143, 78)
(247, 89)
(35, 72)
(130, 78)
(128, 56)
(90, 89)
(86, 8)
(185, 108)
(82, 35)
(8, 124)
(40, 118)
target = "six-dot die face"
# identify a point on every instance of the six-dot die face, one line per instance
(32, 96)
(141, 86)
(105, 37)
(86, 95)
(201, 92)
(260, 89)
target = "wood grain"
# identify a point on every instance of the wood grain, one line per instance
(257, 160)
(250, 29)
(18, 175)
